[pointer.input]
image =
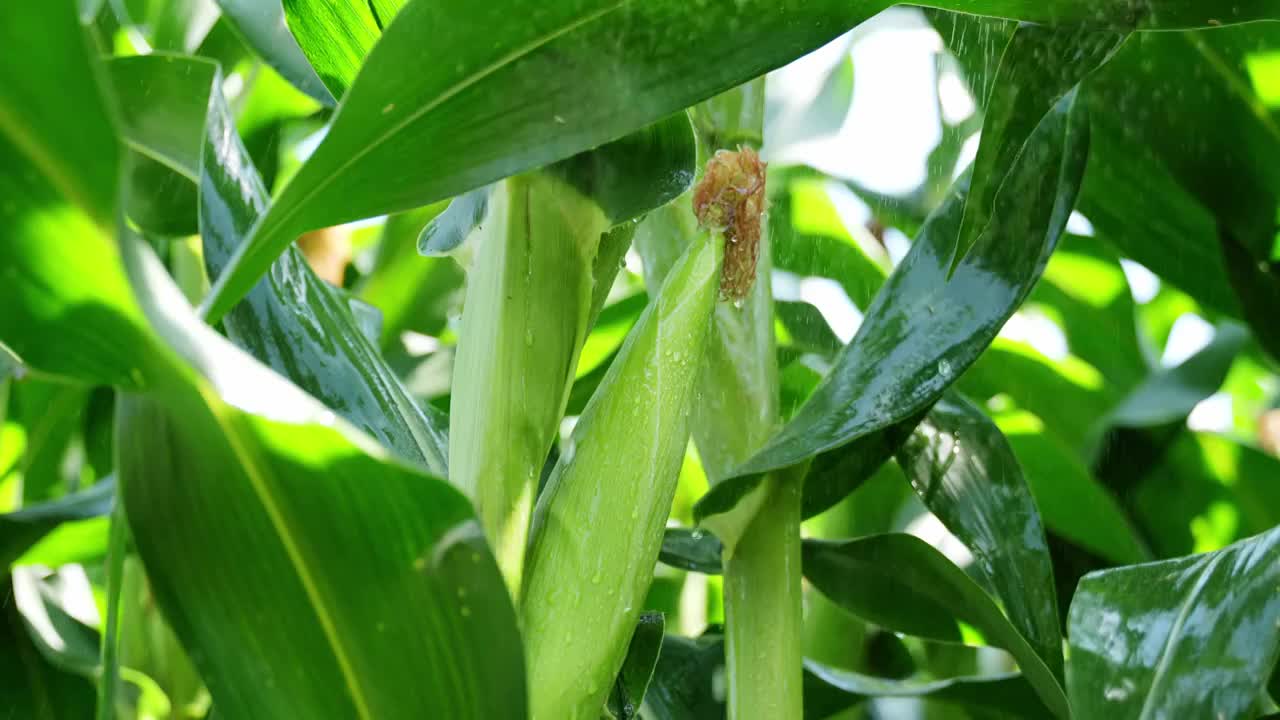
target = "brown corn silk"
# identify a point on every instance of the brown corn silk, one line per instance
(730, 199)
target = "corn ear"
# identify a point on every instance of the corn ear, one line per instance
(598, 525)
(528, 301)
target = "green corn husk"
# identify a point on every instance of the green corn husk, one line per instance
(527, 313)
(598, 526)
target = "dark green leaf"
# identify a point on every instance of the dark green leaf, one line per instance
(262, 24)
(21, 529)
(902, 583)
(1039, 66)
(1169, 395)
(686, 679)
(692, 550)
(924, 329)
(967, 475)
(291, 320)
(63, 640)
(1192, 637)
(637, 668)
(29, 686)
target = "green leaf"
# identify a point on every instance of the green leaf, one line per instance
(291, 320)
(30, 686)
(21, 529)
(334, 36)
(829, 690)
(539, 91)
(438, 636)
(637, 669)
(59, 165)
(1073, 504)
(448, 230)
(64, 641)
(1169, 395)
(966, 474)
(692, 550)
(1191, 637)
(262, 25)
(685, 680)
(1040, 65)
(923, 330)
(902, 583)
(1085, 291)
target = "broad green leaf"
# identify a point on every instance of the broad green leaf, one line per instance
(262, 25)
(1008, 696)
(291, 320)
(539, 92)
(637, 669)
(21, 529)
(902, 583)
(31, 687)
(924, 328)
(1039, 66)
(59, 165)
(966, 474)
(53, 416)
(1191, 637)
(593, 547)
(438, 636)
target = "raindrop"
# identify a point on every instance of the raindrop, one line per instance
(944, 368)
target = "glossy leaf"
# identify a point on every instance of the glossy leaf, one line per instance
(637, 669)
(262, 25)
(334, 36)
(292, 320)
(902, 583)
(924, 329)
(1039, 66)
(684, 680)
(447, 231)
(966, 474)
(692, 550)
(1190, 637)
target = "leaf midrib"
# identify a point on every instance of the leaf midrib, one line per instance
(255, 472)
(439, 100)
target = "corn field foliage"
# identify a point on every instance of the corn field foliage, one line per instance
(385, 359)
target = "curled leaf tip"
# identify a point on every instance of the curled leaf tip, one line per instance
(730, 199)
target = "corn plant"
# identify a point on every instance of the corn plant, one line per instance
(426, 358)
